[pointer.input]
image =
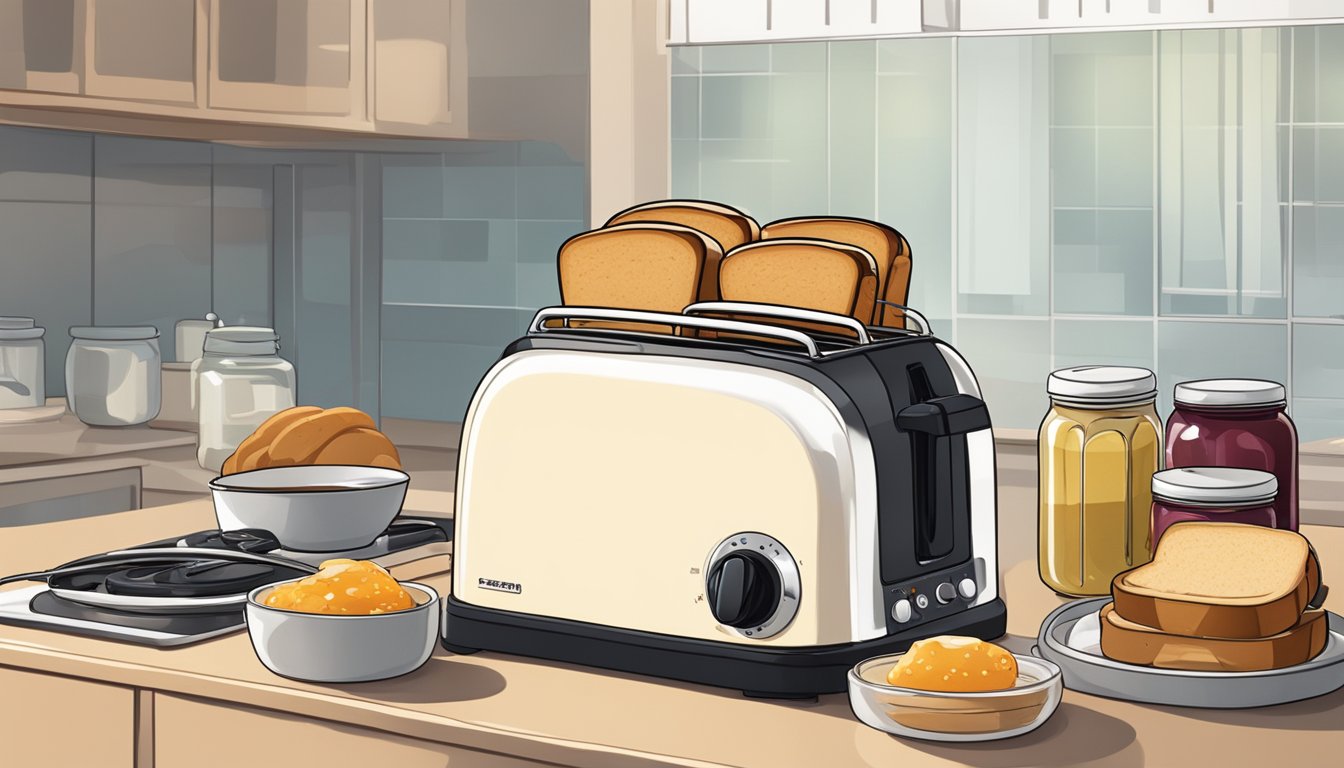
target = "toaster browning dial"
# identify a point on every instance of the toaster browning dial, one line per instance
(752, 585)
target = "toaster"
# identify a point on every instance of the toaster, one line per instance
(757, 500)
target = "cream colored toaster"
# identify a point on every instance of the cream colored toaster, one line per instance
(758, 510)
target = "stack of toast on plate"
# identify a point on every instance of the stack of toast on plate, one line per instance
(1219, 597)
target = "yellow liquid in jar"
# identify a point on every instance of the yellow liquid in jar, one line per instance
(1096, 469)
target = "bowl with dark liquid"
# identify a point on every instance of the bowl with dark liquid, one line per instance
(312, 508)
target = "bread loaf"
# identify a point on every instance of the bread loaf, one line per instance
(303, 438)
(887, 246)
(252, 452)
(361, 447)
(807, 273)
(309, 435)
(649, 266)
(1132, 643)
(1225, 580)
(727, 225)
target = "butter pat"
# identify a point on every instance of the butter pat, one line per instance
(955, 665)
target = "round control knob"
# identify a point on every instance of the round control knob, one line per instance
(945, 592)
(901, 611)
(922, 601)
(967, 588)
(743, 590)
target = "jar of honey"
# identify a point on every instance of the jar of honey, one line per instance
(1098, 448)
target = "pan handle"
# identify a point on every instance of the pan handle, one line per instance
(776, 310)
(925, 329)
(667, 318)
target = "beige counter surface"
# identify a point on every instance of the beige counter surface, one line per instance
(68, 438)
(557, 713)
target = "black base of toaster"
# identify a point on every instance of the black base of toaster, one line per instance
(764, 672)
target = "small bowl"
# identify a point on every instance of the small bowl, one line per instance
(326, 648)
(315, 508)
(961, 717)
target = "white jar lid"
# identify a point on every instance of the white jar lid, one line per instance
(18, 328)
(1231, 393)
(114, 332)
(1102, 384)
(241, 339)
(1215, 485)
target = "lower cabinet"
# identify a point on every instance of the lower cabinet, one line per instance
(190, 733)
(47, 720)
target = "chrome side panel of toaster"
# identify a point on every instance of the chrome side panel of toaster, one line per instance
(560, 514)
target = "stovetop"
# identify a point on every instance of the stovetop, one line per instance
(222, 584)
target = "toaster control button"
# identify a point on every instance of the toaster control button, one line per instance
(743, 591)
(922, 601)
(967, 588)
(901, 611)
(946, 592)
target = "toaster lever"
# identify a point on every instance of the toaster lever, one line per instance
(945, 416)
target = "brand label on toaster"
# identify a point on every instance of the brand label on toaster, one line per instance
(500, 586)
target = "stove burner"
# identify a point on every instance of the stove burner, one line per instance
(245, 539)
(202, 578)
(45, 603)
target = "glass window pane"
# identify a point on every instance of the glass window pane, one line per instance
(1104, 342)
(1011, 359)
(1189, 350)
(1318, 261)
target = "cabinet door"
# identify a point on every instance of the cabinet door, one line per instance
(419, 62)
(276, 738)
(51, 720)
(146, 50)
(721, 21)
(41, 45)
(291, 56)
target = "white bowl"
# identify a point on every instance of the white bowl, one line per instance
(961, 717)
(326, 648)
(320, 508)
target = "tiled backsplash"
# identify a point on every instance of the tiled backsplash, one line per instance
(1166, 199)
(461, 237)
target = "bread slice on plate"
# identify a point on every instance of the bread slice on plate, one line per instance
(726, 224)
(1131, 643)
(1225, 580)
(887, 246)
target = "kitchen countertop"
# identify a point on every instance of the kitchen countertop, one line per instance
(572, 715)
(68, 438)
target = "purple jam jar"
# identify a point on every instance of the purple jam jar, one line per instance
(1237, 423)
(1212, 494)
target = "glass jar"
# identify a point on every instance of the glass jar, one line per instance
(22, 363)
(112, 374)
(1212, 494)
(1098, 447)
(1237, 423)
(238, 382)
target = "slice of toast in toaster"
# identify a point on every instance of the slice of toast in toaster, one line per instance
(1132, 643)
(1226, 580)
(802, 272)
(888, 247)
(642, 265)
(727, 225)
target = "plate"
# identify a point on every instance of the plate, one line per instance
(31, 415)
(1071, 637)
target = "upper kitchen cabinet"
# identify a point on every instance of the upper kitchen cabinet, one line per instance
(144, 50)
(42, 45)
(735, 21)
(288, 56)
(419, 63)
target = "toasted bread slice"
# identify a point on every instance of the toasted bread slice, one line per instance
(249, 453)
(649, 266)
(887, 246)
(802, 272)
(727, 225)
(299, 442)
(1224, 580)
(1124, 640)
(359, 446)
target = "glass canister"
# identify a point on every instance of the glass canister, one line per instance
(1237, 423)
(112, 374)
(22, 363)
(239, 381)
(1098, 448)
(190, 336)
(1213, 494)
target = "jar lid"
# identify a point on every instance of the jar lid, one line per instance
(1215, 485)
(19, 328)
(227, 340)
(114, 332)
(1102, 384)
(1230, 393)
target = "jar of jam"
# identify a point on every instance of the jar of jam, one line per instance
(1213, 494)
(1099, 446)
(1237, 423)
